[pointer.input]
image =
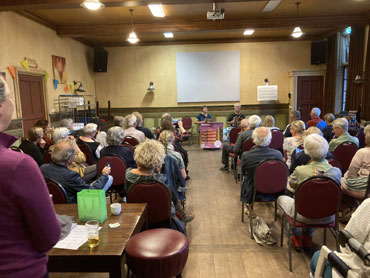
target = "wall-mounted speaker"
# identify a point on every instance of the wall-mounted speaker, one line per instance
(100, 60)
(318, 52)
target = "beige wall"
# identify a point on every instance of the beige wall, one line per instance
(130, 69)
(21, 37)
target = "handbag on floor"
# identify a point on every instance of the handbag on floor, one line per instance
(262, 233)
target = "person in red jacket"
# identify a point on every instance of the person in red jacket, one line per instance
(29, 226)
(315, 117)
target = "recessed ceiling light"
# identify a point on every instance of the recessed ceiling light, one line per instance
(156, 10)
(168, 35)
(248, 32)
(92, 5)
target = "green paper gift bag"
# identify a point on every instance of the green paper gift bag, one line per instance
(91, 205)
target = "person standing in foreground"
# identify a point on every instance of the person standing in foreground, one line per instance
(29, 224)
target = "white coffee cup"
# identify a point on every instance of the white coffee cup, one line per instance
(115, 208)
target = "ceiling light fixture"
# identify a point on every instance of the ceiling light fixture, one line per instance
(92, 5)
(297, 32)
(248, 32)
(132, 38)
(156, 10)
(168, 35)
(271, 5)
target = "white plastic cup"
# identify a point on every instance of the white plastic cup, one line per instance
(115, 208)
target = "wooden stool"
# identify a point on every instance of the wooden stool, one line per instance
(159, 253)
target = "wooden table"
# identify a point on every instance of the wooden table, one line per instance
(109, 255)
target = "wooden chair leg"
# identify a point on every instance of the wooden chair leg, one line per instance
(242, 211)
(275, 210)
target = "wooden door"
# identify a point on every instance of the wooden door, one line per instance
(32, 100)
(309, 95)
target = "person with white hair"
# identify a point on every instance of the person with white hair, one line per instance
(235, 117)
(67, 123)
(340, 130)
(315, 117)
(87, 172)
(244, 135)
(115, 136)
(29, 226)
(130, 124)
(62, 156)
(293, 116)
(250, 159)
(139, 122)
(88, 137)
(317, 148)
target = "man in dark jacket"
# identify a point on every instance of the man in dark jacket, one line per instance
(261, 151)
(62, 156)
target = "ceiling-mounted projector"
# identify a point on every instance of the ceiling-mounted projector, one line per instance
(215, 14)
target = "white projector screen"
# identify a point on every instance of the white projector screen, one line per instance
(208, 76)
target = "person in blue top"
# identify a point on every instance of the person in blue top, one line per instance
(203, 117)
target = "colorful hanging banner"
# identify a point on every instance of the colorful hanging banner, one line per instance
(46, 77)
(24, 63)
(11, 69)
(66, 88)
(72, 87)
(55, 83)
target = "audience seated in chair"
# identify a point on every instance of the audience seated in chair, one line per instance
(358, 227)
(293, 116)
(248, 126)
(62, 156)
(328, 130)
(29, 226)
(315, 119)
(291, 143)
(87, 172)
(118, 121)
(269, 122)
(139, 122)
(300, 157)
(129, 124)
(101, 136)
(316, 147)
(354, 182)
(115, 137)
(47, 132)
(88, 134)
(166, 138)
(340, 129)
(235, 118)
(149, 157)
(68, 123)
(34, 145)
(250, 159)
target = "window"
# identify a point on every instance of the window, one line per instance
(344, 91)
(345, 39)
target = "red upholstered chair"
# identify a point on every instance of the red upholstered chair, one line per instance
(361, 138)
(273, 184)
(344, 153)
(314, 198)
(128, 145)
(246, 147)
(131, 140)
(47, 157)
(88, 153)
(118, 172)
(157, 253)
(57, 191)
(187, 124)
(234, 132)
(277, 139)
(335, 163)
(158, 198)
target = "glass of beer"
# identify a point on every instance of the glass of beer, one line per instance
(92, 228)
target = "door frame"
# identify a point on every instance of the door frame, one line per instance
(293, 77)
(17, 94)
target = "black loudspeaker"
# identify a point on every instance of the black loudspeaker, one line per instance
(100, 60)
(318, 52)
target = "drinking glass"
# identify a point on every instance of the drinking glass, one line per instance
(92, 228)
